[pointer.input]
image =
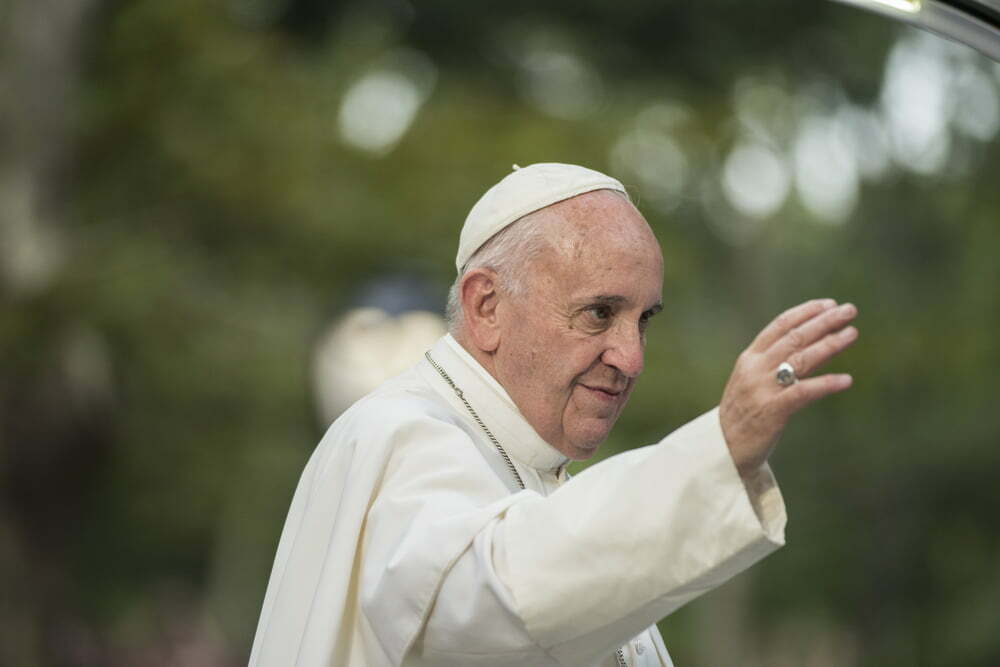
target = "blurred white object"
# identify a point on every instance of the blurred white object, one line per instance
(380, 107)
(755, 180)
(826, 171)
(364, 348)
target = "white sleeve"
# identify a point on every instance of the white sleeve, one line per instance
(564, 580)
(647, 531)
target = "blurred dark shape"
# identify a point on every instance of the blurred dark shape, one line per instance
(58, 430)
(313, 19)
(310, 18)
(397, 293)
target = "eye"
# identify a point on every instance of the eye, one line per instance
(600, 312)
(595, 317)
(644, 319)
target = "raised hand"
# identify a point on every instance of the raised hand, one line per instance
(755, 407)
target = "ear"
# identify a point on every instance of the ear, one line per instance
(480, 298)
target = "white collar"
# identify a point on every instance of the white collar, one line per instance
(493, 404)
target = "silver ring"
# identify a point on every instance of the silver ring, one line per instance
(786, 375)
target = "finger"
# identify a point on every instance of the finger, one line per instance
(811, 331)
(802, 393)
(813, 357)
(788, 320)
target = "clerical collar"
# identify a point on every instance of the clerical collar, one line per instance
(494, 405)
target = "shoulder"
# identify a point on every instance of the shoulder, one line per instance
(404, 399)
(403, 414)
(407, 435)
(402, 409)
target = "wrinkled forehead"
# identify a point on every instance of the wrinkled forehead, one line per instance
(596, 222)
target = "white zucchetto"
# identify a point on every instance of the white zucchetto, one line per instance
(523, 191)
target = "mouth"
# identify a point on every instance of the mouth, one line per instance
(604, 393)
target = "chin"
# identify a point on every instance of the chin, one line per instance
(584, 448)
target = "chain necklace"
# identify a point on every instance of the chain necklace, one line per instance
(496, 443)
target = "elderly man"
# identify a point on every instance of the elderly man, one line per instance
(435, 524)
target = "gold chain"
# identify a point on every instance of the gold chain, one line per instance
(496, 443)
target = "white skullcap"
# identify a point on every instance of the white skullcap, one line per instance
(524, 191)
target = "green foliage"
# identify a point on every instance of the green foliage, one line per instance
(217, 218)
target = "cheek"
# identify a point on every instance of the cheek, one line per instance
(541, 356)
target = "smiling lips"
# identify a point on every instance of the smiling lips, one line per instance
(607, 393)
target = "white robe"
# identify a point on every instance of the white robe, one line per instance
(409, 543)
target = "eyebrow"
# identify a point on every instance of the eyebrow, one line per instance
(609, 299)
(616, 299)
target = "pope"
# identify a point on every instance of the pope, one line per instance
(435, 523)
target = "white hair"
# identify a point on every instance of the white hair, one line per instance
(509, 253)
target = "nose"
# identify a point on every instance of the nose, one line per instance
(625, 350)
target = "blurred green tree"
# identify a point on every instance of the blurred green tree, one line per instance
(190, 191)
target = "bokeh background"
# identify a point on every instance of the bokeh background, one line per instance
(221, 220)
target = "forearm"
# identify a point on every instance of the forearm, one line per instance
(646, 531)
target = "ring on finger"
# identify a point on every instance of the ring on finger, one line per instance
(785, 375)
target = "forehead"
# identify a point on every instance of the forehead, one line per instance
(598, 239)
(595, 213)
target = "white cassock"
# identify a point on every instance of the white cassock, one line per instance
(408, 541)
